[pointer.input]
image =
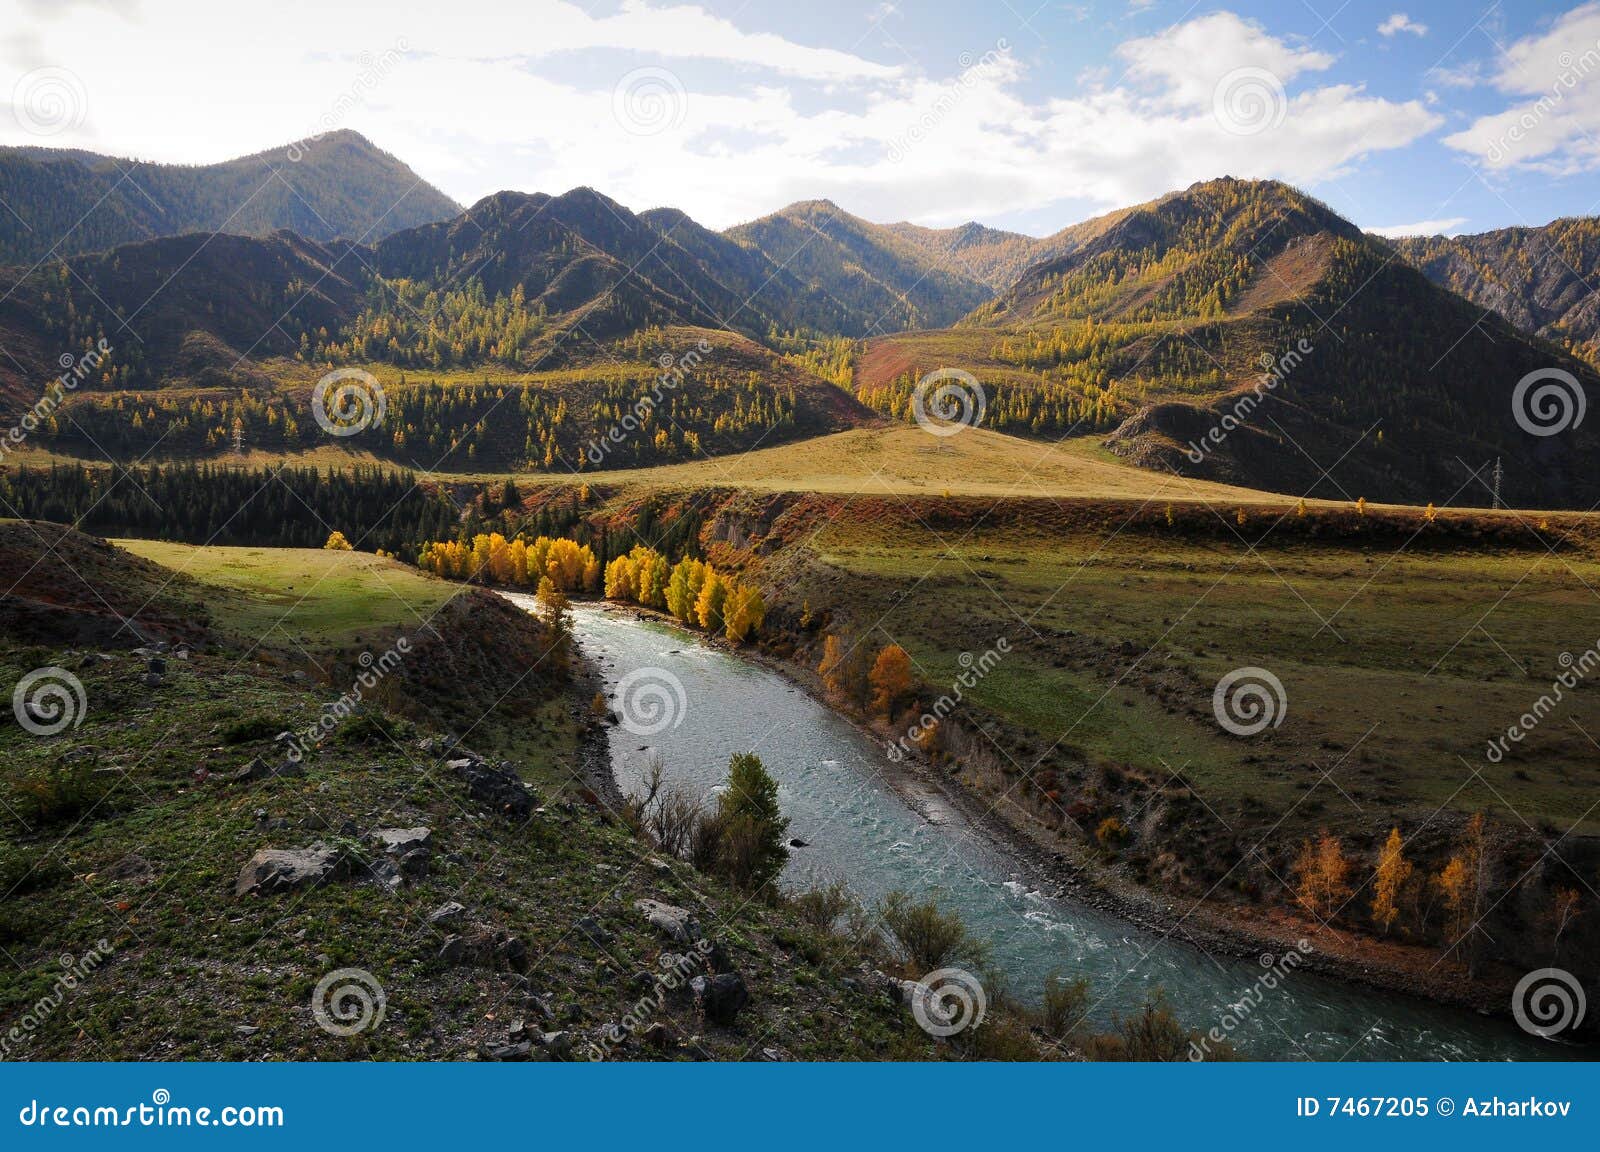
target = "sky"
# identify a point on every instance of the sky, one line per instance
(1407, 117)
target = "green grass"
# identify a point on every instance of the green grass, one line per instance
(1118, 643)
(307, 597)
(142, 838)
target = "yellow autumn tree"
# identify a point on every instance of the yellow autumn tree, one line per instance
(891, 681)
(831, 669)
(713, 595)
(1393, 872)
(336, 543)
(745, 610)
(1321, 872)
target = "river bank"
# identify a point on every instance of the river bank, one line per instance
(1066, 873)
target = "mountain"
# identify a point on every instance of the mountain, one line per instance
(992, 257)
(583, 256)
(890, 282)
(63, 203)
(1540, 279)
(1253, 309)
(201, 309)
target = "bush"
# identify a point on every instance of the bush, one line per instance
(1153, 1035)
(61, 793)
(822, 907)
(1111, 834)
(930, 938)
(1061, 1016)
(255, 726)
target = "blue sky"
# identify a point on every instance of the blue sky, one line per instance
(1434, 116)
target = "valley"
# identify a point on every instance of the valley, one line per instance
(1275, 572)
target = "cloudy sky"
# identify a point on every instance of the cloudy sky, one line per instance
(1438, 116)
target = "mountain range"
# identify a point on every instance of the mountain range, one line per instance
(1236, 330)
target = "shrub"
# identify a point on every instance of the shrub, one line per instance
(930, 937)
(61, 793)
(1061, 1016)
(822, 907)
(1111, 834)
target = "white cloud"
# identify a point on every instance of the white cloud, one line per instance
(1552, 79)
(488, 96)
(1446, 227)
(1400, 22)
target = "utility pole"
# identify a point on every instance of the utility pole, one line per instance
(1499, 475)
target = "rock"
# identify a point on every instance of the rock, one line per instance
(500, 788)
(454, 950)
(720, 998)
(557, 1045)
(522, 1050)
(660, 1036)
(132, 869)
(593, 931)
(246, 1029)
(151, 679)
(157, 665)
(280, 869)
(776, 1055)
(414, 864)
(671, 921)
(796, 842)
(261, 769)
(447, 915)
(399, 841)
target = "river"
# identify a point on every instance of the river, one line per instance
(877, 829)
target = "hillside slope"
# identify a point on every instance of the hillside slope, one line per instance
(1252, 309)
(891, 282)
(1540, 279)
(477, 890)
(66, 202)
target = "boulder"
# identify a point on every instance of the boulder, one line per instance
(447, 915)
(281, 869)
(720, 998)
(671, 921)
(499, 787)
(399, 841)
